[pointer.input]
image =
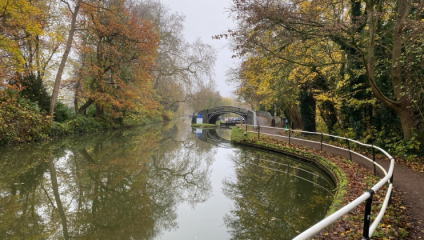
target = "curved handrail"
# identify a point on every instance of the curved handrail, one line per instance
(367, 196)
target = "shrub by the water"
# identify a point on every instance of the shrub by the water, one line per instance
(62, 112)
(34, 90)
(20, 119)
(82, 124)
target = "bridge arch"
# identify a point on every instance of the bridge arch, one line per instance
(211, 115)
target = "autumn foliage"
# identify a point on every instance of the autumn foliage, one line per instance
(20, 119)
(117, 53)
(351, 68)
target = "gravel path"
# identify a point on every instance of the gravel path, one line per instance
(406, 180)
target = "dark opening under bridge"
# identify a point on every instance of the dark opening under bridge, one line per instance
(211, 115)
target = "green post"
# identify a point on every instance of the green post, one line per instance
(286, 125)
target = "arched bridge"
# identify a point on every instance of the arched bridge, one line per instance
(211, 115)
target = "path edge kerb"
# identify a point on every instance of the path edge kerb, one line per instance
(336, 173)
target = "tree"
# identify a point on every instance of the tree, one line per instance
(377, 41)
(66, 53)
(180, 67)
(117, 52)
(18, 20)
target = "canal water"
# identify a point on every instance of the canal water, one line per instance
(164, 182)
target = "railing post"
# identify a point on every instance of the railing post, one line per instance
(391, 181)
(367, 216)
(348, 147)
(259, 131)
(391, 178)
(322, 136)
(289, 136)
(373, 160)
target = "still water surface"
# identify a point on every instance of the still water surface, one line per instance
(157, 182)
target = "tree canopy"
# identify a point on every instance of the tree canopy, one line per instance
(353, 66)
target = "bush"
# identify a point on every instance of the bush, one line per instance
(35, 91)
(62, 112)
(20, 119)
(91, 111)
(82, 124)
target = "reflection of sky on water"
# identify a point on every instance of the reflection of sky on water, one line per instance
(156, 182)
(205, 221)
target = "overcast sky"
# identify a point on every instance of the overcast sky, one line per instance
(204, 19)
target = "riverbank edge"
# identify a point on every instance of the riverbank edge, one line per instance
(72, 128)
(338, 175)
(204, 125)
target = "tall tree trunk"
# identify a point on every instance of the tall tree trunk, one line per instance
(294, 114)
(399, 105)
(64, 58)
(308, 110)
(99, 110)
(31, 56)
(76, 97)
(328, 114)
(37, 56)
(407, 118)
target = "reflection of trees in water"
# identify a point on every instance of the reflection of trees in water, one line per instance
(270, 204)
(117, 185)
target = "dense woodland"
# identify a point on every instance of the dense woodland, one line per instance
(118, 61)
(353, 68)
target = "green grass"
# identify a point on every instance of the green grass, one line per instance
(204, 125)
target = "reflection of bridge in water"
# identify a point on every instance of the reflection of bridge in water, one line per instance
(219, 137)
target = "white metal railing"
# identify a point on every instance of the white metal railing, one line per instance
(367, 196)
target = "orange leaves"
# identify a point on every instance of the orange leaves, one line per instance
(118, 52)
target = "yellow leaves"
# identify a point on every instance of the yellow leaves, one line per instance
(322, 97)
(19, 17)
(21, 14)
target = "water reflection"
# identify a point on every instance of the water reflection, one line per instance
(132, 184)
(117, 185)
(275, 197)
(218, 137)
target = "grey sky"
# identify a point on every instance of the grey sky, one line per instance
(204, 19)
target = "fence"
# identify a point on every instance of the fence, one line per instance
(368, 229)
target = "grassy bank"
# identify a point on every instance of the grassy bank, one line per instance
(353, 180)
(204, 125)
